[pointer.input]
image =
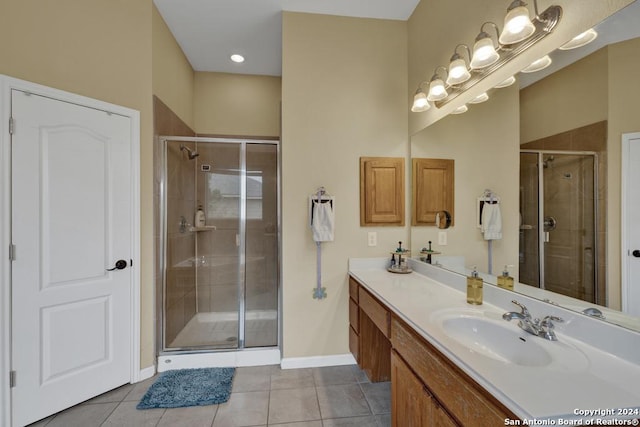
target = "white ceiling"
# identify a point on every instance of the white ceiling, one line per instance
(209, 31)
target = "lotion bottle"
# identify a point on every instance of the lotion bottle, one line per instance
(200, 218)
(474, 288)
(505, 281)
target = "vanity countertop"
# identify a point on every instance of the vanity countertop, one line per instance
(591, 384)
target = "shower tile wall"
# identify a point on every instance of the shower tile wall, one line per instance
(587, 138)
(180, 280)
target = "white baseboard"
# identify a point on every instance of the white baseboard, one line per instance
(317, 361)
(219, 359)
(146, 373)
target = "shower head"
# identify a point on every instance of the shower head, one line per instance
(547, 162)
(192, 153)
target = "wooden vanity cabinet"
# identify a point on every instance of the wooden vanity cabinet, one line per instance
(369, 328)
(459, 395)
(412, 405)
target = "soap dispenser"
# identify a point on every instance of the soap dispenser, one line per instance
(505, 281)
(200, 218)
(474, 288)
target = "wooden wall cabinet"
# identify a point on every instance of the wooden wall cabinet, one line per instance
(381, 191)
(432, 189)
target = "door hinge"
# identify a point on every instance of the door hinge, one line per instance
(12, 252)
(12, 379)
(11, 125)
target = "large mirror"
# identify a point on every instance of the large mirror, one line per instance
(548, 148)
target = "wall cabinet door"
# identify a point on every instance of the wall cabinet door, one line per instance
(432, 190)
(381, 191)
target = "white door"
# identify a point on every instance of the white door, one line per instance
(631, 225)
(71, 221)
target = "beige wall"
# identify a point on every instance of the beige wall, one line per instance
(343, 96)
(436, 27)
(236, 104)
(100, 49)
(483, 143)
(173, 77)
(567, 99)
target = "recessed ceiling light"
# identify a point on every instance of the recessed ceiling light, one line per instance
(237, 58)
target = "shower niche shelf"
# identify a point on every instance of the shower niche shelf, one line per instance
(203, 228)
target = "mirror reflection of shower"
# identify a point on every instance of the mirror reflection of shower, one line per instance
(192, 153)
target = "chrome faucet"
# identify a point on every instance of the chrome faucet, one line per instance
(542, 328)
(593, 312)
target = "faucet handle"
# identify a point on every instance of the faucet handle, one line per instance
(547, 321)
(523, 308)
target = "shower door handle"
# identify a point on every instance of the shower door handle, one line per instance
(120, 265)
(636, 253)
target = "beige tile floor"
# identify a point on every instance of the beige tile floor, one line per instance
(337, 396)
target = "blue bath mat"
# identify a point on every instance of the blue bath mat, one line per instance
(189, 387)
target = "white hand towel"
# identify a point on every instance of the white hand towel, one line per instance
(491, 221)
(323, 221)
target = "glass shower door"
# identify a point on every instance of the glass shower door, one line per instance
(557, 231)
(569, 225)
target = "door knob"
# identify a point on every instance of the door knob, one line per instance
(120, 265)
(636, 253)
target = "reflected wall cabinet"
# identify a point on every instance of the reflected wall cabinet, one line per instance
(432, 189)
(381, 191)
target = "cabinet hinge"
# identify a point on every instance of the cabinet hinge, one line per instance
(12, 379)
(11, 125)
(12, 252)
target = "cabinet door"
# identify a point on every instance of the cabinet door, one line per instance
(382, 191)
(411, 406)
(432, 190)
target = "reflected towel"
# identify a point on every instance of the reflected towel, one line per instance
(491, 221)
(322, 221)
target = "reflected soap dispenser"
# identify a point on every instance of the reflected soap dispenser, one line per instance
(505, 281)
(200, 218)
(474, 288)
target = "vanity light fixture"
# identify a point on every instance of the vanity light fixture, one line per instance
(517, 24)
(437, 90)
(484, 51)
(461, 109)
(580, 40)
(489, 55)
(507, 82)
(480, 98)
(458, 71)
(538, 64)
(237, 58)
(420, 102)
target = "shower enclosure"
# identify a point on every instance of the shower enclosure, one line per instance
(559, 213)
(221, 279)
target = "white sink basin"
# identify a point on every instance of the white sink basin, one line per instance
(490, 336)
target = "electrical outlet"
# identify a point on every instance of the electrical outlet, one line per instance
(372, 238)
(442, 238)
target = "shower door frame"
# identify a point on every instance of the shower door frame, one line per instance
(162, 297)
(540, 223)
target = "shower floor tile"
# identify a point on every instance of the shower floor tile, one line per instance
(221, 330)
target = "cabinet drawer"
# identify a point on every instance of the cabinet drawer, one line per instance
(353, 288)
(376, 312)
(354, 346)
(458, 394)
(353, 315)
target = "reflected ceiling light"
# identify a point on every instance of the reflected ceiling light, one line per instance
(580, 40)
(461, 109)
(480, 98)
(538, 64)
(517, 24)
(437, 90)
(458, 71)
(420, 102)
(508, 82)
(484, 51)
(237, 58)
